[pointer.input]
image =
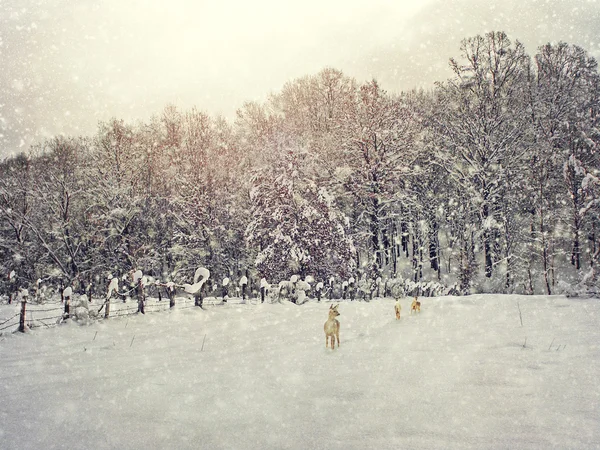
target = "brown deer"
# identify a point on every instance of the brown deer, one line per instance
(332, 327)
(415, 306)
(397, 308)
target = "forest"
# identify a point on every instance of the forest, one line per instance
(487, 182)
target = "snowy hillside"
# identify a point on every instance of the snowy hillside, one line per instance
(463, 373)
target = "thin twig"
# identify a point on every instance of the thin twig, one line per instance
(95, 336)
(520, 316)
(132, 341)
(551, 344)
(203, 343)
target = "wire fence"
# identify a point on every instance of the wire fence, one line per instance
(39, 315)
(3, 325)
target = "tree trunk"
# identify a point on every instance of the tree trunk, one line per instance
(414, 259)
(396, 249)
(544, 243)
(574, 189)
(507, 254)
(487, 250)
(387, 247)
(576, 253)
(405, 237)
(421, 245)
(375, 241)
(592, 238)
(434, 255)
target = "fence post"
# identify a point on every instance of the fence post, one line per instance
(198, 300)
(244, 284)
(331, 286)
(225, 292)
(171, 294)
(141, 297)
(107, 306)
(22, 319)
(67, 307)
(89, 290)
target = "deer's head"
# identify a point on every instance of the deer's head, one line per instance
(333, 312)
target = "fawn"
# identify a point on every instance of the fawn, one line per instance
(415, 306)
(332, 327)
(397, 308)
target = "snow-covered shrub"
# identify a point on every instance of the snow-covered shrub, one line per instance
(319, 289)
(587, 287)
(137, 275)
(302, 287)
(80, 308)
(293, 290)
(590, 282)
(399, 287)
(366, 287)
(113, 286)
(284, 290)
(265, 289)
(394, 287)
(23, 295)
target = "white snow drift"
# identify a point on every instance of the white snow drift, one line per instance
(463, 373)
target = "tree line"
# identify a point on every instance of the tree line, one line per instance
(487, 182)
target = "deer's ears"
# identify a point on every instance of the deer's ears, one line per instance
(335, 307)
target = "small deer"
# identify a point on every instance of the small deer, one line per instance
(415, 306)
(397, 308)
(332, 327)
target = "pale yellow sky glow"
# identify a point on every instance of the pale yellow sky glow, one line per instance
(220, 53)
(67, 64)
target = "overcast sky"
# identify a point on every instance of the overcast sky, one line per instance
(66, 64)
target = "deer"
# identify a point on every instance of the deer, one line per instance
(332, 327)
(415, 306)
(397, 309)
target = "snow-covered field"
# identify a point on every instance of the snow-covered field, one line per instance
(463, 373)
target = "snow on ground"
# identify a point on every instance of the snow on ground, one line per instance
(463, 373)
